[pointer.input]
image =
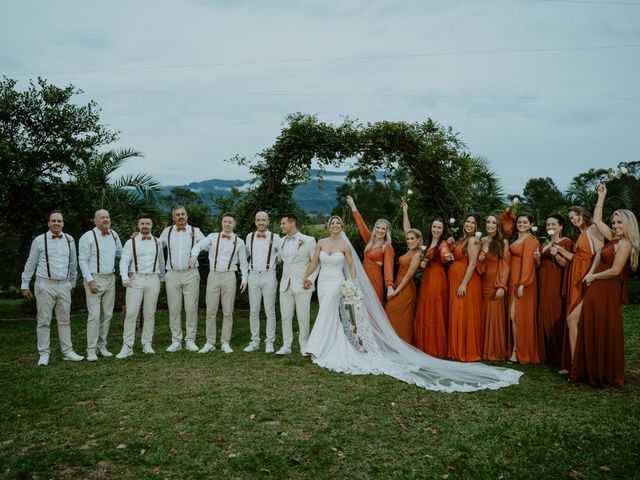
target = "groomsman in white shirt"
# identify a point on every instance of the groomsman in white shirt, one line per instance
(227, 255)
(182, 280)
(142, 272)
(97, 252)
(53, 259)
(296, 252)
(262, 249)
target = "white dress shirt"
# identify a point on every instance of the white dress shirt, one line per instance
(109, 246)
(146, 255)
(181, 243)
(63, 263)
(258, 257)
(239, 259)
(290, 245)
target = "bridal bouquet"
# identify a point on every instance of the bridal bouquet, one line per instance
(350, 292)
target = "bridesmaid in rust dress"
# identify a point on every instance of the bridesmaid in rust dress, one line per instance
(378, 252)
(581, 258)
(551, 305)
(493, 267)
(465, 297)
(599, 354)
(432, 310)
(523, 293)
(401, 301)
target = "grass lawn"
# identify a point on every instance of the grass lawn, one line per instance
(242, 415)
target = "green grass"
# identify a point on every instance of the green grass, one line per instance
(243, 415)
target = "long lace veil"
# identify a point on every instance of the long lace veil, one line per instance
(392, 356)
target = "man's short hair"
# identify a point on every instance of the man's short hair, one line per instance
(145, 215)
(177, 207)
(52, 212)
(292, 217)
(228, 214)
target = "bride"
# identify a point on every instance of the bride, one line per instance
(355, 337)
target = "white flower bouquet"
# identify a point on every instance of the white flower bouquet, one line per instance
(350, 292)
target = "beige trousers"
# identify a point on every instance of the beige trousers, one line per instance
(53, 295)
(100, 308)
(221, 288)
(183, 284)
(262, 286)
(144, 290)
(300, 304)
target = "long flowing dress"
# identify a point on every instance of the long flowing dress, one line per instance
(375, 349)
(494, 273)
(523, 272)
(401, 309)
(376, 262)
(551, 305)
(573, 287)
(599, 354)
(465, 314)
(432, 311)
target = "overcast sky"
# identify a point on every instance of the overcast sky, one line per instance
(539, 88)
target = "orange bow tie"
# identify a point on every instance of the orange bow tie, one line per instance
(54, 236)
(104, 234)
(146, 237)
(226, 237)
(261, 235)
(181, 229)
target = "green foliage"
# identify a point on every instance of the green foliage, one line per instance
(199, 213)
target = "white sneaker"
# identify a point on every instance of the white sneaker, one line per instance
(268, 348)
(191, 346)
(146, 348)
(91, 356)
(104, 352)
(226, 348)
(174, 347)
(252, 347)
(73, 357)
(125, 352)
(207, 347)
(43, 360)
(284, 351)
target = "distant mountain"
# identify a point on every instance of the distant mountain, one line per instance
(314, 196)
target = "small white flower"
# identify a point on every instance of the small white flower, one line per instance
(478, 234)
(623, 170)
(515, 200)
(423, 248)
(409, 192)
(452, 220)
(534, 229)
(551, 233)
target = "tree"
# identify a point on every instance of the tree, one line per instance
(541, 197)
(199, 213)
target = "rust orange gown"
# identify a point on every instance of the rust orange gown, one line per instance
(465, 314)
(599, 355)
(573, 286)
(508, 222)
(432, 311)
(551, 305)
(376, 261)
(401, 308)
(523, 272)
(494, 273)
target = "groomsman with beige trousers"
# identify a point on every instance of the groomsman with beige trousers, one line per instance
(296, 252)
(262, 250)
(182, 280)
(97, 252)
(53, 259)
(142, 272)
(227, 256)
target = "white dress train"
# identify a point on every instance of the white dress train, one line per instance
(373, 348)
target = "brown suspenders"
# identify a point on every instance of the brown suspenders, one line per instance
(233, 252)
(253, 235)
(46, 253)
(193, 238)
(135, 254)
(95, 237)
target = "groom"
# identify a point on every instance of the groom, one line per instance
(296, 252)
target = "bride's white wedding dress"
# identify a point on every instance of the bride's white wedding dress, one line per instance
(373, 348)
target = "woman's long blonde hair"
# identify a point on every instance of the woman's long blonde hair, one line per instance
(387, 237)
(630, 225)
